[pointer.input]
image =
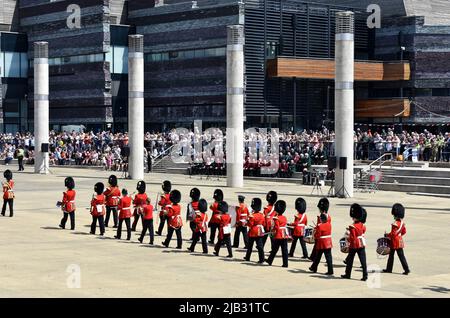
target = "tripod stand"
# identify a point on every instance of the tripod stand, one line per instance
(45, 168)
(317, 186)
(344, 191)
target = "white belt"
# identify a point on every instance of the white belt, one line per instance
(73, 201)
(302, 225)
(326, 236)
(129, 208)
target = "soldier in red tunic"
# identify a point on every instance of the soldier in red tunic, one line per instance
(124, 208)
(163, 202)
(192, 209)
(201, 226)
(398, 230)
(280, 234)
(323, 206)
(356, 240)
(68, 204)
(256, 231)
(242, 215)
(215, 220)
(299, 224)
(269, 213)
(8, 193)
(147, 219)
(324, 244)
(98, 208)
(112, 194)
(224, 230)
(173, 212)
(139, 202)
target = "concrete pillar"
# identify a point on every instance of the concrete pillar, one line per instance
(344, 100)
(41, 111)
(235, 106)
(136, 106)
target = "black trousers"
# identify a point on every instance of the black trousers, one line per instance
(401, 256)
(169, 236)
(20, 160)
(110, 209)
(197, 237)
(72, 220)
(135, 221)
(328, 258)
(212, 232)
(119, 228)
(225, 240)
(283, 243)
(313, 253)
(259, 247)
(362, 258)
(264, 240)
(101, 224)
(239, 230)
(302, 243)
(162, 221)
(148, 225)
(192, 226)
(10, 202)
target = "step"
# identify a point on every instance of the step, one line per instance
(423, 188)
(416, 180)
(407, 172)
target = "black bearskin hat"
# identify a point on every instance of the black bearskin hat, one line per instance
(124, 192)
(218, 195)
(8, 174)
(202, 205)
(398, 211)
(272, 197)
(241, 198)
(195, 194)
(363, 216)
(356, 211)
(256, 204)
(69, 183)
(300, 205)
(99, 188)
(223, 207)
(112, 180)
(280, 206)
(175, 196)
(323, 204)
(141, 187)
(167, 186)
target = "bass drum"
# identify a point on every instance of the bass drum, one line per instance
(383, 246)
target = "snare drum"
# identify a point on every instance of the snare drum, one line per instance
(345, 246)
(383, 246)
(309, 235)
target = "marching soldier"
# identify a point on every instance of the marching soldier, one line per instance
(299, 224)
(224, 229)
(124, 208)
(269, 213)
(241, 222)
(68, 204)
(98, 208)
(398, 230)
(147, 219)
(8, 193)
(323, 206)
(112, 194)
(256, 231)
(324, 244)
(173, 212)
(163, 202)
(201, 220)
(280, 234)
(192, 209)
(139, 201)
(357, 242)
(215, 220)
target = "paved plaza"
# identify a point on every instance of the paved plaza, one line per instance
(38, 259)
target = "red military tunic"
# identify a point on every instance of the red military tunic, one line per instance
(201, 220)
(174, 215)
(148, 212)
(68, 201)
(165, 200)
(8, 192)
(396, 234)
(124, 208)
(225, 221)
(269, 213)
(299, 224)
(98, 205)
(356, 238)
(139, 201)
(256, 225)
(323, 236)
(112, 195)
(215, 213)
(241, 215)
(280, 231)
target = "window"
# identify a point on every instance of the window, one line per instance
(420, 92)
(441, 92)
(173, 55)
(271, 50)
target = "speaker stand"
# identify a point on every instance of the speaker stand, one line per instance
(332, 191)
(344, 191)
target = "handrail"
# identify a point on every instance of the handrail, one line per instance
(162, 155)
(407, 157)
(381, 160)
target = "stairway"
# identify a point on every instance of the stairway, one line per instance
(166, 165)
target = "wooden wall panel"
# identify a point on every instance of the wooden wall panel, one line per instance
(382, 108)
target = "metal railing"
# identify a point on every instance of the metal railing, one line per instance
(380, 160)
